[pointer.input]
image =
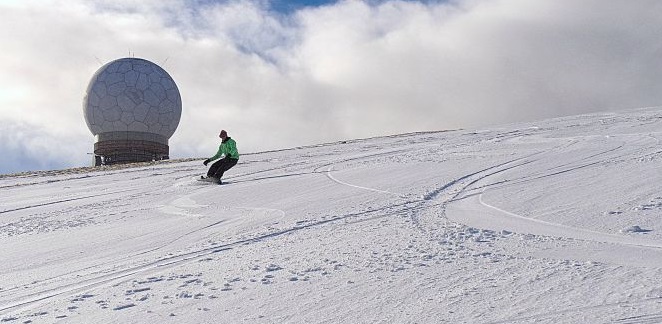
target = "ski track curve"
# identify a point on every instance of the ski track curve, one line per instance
(330, 176)
(430, 200)
(467, 202)
(572, 232)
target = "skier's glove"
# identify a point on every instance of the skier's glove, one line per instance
(206, 162)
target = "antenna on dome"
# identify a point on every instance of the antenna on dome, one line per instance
(98, 60)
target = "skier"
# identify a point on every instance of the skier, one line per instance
(228, 148)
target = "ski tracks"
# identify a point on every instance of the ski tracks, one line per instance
(106, 278)
(330, 176)
(100, 275)
(553, 317)
(184, 205)
(469, 207)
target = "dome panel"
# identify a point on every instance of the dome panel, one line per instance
(112, 114)
(158, 90)
(173, 95)
(168, 106)
(125, 67)
(137, 126)
(113, 78)
(97, 118)
(155, 77)
(141, 112)
(175, 122)
(119, 126)
(100, 89)
(152, 117)
(143, 82)
(131, 78)
(90, 121)
(167, 83)
(112, 66)
(155, 128)
(93, 99)
(160, 128)
(107, 127)
(95, 129)
(151, 98)
(134, 94)
(125, 103)
(165, 119)
(143, 68)
(127, 118)
(116, 89)
(107, 102)
(101, 76)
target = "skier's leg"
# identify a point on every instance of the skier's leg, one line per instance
(228, 163)
(221, 169)
(214, 168)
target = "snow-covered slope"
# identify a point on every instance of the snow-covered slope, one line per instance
(555, 221)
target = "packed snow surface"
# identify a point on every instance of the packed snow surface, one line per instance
(556, 221)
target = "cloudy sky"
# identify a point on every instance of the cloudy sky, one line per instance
(278, 74)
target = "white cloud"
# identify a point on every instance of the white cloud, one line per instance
(352, 69)
(31, 147)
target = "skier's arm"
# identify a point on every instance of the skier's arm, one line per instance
(218, 154)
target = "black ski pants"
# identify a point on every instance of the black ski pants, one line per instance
(219, 167)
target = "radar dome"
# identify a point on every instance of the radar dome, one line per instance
(133, 107)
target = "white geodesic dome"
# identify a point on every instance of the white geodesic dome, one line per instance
(132, 95)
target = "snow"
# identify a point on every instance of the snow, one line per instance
(555, 221)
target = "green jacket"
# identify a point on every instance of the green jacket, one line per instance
(227, 148)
